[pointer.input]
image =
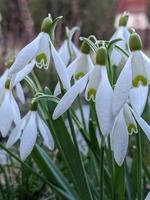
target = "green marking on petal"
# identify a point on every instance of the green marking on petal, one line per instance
(41, 60)
(7, 84)
(79, 75)
(91, 94)
(132, 129)
(139, 80)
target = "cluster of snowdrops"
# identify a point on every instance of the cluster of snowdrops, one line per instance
(118, 105)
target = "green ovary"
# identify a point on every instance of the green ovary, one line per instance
(79, 75)
(139, 79)
(91, 93)
(41, 59)
(132, 128)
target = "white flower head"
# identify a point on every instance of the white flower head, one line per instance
(68, 51)
(79, 67)
(122, 33)
(13, 84)
(97, 88)
(134, 79)
(67, 48)
(125, 124)
(9, 110)
(27, 131)
(38, 53)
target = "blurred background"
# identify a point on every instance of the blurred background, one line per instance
(20, 19)
(20, 22)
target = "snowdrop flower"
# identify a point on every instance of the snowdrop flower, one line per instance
(68, 51)
(64, 51)
(27, 130)
(18, 87)
(97, 88)
(79, 67)
(134, 79)
(38, 53)
(9, 110)
(125, 124)
(123, 33)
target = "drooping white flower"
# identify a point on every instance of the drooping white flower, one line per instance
(27, 131)
(121, 33)
(133, 80)
(38, 53)
(9, 110)
(125, 124)
(97, 88)
(66, 49)
(17, 86)
(79, 67)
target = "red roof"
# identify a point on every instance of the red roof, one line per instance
(132, 6)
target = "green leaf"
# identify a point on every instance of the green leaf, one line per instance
(51, 172)
(119, 182)
(69, 154)
(113, 42)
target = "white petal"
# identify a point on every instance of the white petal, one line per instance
(126, 34)
(122, 88)
(143, 124)
(94, 81)
(25, 55)
(44, 49)
(6, 114)
(138, 97)
(70, 96)
(116, 57)
(64, 53)
(45, 132)
(83, 64)
(3, 78)
(148, 196)
(22, 74)
(103, 103)
(60, 68)
(138, 67)
(119, 139)
(17, 131)
(28, 137)
(57, 90)
(75, 49)
(15, 109)
(20, 93)
(129, 119)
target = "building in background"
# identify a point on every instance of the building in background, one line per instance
(138, 17)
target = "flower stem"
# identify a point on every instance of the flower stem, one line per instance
(82, 114)
(139, 166)
(111, 165)
(102, 168)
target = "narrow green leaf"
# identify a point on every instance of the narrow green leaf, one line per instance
(51, 171)
(69, 153)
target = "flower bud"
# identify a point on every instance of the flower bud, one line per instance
(124, 19)
(135, 42)
(7, 84)
(33, 106)
(46, 25)
(101, 56)
(85, 48)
